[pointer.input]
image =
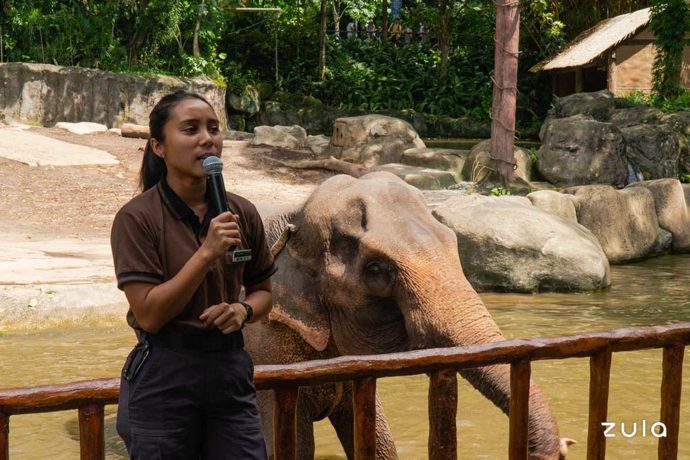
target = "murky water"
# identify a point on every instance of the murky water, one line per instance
(653, 292)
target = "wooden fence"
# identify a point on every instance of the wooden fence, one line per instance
(442, 364)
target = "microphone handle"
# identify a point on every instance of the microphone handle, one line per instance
(218, 197)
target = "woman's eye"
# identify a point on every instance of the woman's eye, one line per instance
(190, 130)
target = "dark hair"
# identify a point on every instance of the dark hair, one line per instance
(152, 166)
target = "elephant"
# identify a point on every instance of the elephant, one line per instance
(364, 268)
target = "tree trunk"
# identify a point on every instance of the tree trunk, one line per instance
(336, 20)
(195, 47)
(322, 41)
(384, 25)
(444, 11)
(505, 89)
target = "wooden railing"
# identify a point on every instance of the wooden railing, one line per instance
(442, 364)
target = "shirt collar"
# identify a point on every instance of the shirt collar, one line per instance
(177, 207)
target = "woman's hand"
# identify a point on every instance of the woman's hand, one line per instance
(223, 232)
(228, 317)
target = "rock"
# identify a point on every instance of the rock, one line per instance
(479, 164)
(445, 159)
(636, 116)
(83, 127)
(510, 245)
(579, 150)
(422, 178)
(318, 144)
(46, 94)
(433, 198)
(233, 135)
(372, 139)
(679, 121)
(598, 105)
(293, 137)
(248, 101)
(686, 192)
(653, 150)
(115, 131)
(671, 210)
(624, 221)
(554, 202)
(135, 131)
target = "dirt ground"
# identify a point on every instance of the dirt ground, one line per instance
(55, 262)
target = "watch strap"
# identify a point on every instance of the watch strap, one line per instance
(250, 311)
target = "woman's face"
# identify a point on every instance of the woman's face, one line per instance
(191, 134)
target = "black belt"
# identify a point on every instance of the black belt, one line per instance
(197, 341)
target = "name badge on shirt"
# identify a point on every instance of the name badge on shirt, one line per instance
(241, 255)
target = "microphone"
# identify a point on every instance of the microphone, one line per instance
(214, 183)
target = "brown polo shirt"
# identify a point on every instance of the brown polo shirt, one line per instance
(156, 233)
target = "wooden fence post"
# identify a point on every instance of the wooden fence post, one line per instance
(364, 401)
(91, 434)
(4, 436)
(671, 386)
(519, 410)
(443, 409)
(599, 373)
(285, 423)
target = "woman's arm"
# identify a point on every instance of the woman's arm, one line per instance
(155, 305)
(231, 317)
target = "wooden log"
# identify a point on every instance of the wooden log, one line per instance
(49, 398)
(364, 401)
(430, 360)
(519, 410)
(135, 131)
(671, 385)
(91, 432)
(285, 424)
(599, 373)
(4, 436)
(443, 409)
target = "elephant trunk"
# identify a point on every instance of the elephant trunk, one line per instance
(441, 309)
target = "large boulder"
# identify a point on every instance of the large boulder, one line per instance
(580, 150)
(653, 150)
(624, 221)
(680, 121)
(293, 137)
(598, 105)
(636, 115)
(247, 101)
(422, 178)
(506, 244)
(479, 163)
(372, 139)
(444, 159)
(671, 210)
(554, 202)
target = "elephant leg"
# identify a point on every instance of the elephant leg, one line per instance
(342, 419)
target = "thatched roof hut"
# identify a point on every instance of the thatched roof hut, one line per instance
(616, 54)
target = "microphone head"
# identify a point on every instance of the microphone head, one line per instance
(212, 165)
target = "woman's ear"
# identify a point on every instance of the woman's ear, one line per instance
(157, 147)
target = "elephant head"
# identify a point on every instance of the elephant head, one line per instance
(368, 270)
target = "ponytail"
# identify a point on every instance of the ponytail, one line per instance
(153, 168)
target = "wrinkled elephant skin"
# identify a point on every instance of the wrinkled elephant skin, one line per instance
(368, 270)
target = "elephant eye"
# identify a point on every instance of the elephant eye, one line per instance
(379, 277)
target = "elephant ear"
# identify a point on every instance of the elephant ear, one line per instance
(296, 301)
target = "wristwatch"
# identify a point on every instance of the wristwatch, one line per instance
(250, 311)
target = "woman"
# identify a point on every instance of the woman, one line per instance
(186, 390)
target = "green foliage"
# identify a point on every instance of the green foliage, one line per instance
(684, 178)
(679, 103)
(670, 20)
(500, 191)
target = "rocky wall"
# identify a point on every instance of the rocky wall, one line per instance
(46, 94)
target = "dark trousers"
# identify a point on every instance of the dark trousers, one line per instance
(190, 405)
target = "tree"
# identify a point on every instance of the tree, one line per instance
(670, 21)
(322, 40)
(505, 88)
